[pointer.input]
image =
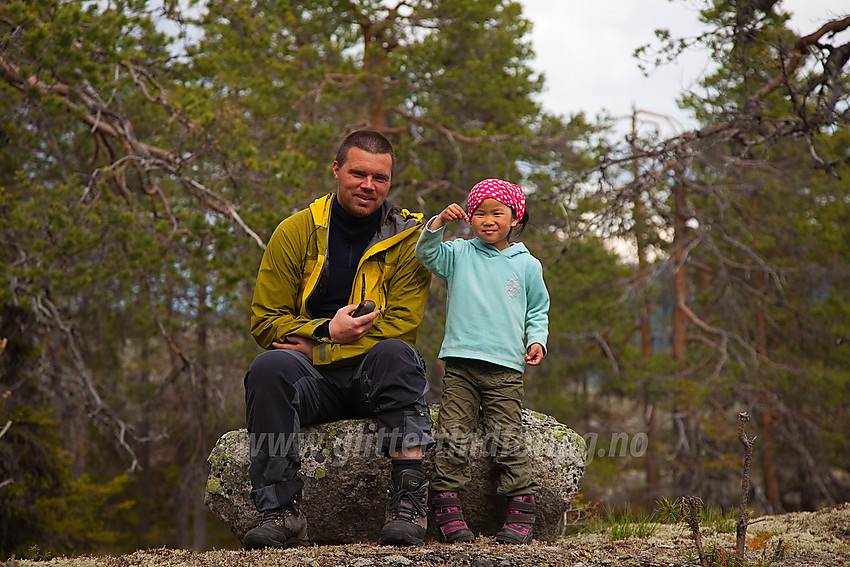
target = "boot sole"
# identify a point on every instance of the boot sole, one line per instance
(465, 539)
(512, 540)
(459, 536)
(264, 542)
(277, 545)
(400, 535)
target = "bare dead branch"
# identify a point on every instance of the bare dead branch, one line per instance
(8, 424)
(798, 425)
(603, 344)
(691, 505)
(160, 98)
(741, 532)
(449, 134)
(800, 48)
(108, 123)
(92, 112)
(329, 80)
(724, 335)
(224, 207)
(98, 407)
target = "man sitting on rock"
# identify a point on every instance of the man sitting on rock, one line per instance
(330, 358)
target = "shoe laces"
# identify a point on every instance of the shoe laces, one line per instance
(407, 504)
(278, 515)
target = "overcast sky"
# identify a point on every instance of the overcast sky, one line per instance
(585, 48)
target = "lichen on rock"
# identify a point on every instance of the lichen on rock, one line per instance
(346, 478)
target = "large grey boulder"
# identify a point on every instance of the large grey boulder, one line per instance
(346, 479)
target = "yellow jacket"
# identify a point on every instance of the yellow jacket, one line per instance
(292, 266)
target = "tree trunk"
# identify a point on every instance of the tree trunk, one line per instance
(680, 318)
(199, 524)
(682, 448)
(201, 394)
(767, 433)
(650, 458)
(145, 488)
(373, 64)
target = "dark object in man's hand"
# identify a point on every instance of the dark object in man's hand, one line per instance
(366, 306)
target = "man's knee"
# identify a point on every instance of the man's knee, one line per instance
(394, 348)
(395, 358)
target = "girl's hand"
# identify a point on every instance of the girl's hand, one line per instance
(453, 212)
(534, 354)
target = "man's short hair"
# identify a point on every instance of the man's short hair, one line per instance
(367, 140)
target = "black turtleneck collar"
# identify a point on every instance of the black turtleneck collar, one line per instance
(352, 222)
(348, 238)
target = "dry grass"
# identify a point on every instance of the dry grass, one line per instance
(794, 540)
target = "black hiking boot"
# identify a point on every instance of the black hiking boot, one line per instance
(407, 510)
(281, 527)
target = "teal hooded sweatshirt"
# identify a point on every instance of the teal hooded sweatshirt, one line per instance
(497, 301)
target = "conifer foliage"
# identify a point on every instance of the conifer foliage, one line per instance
(148, 149)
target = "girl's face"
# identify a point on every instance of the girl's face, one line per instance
(492, 222)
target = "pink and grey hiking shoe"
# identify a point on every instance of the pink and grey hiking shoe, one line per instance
(449, 517)
(517, 528)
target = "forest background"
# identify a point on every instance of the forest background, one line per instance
(692, 277)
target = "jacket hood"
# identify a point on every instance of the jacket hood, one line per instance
(515, 249)
(395, 220)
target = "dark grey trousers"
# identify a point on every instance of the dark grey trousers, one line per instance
(283, 391)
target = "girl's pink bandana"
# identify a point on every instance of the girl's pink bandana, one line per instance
(503, 191)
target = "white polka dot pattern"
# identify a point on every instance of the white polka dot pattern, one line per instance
(503, 191)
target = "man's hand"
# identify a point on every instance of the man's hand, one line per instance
(301, 344)
(534, 354)
(453, 212)
(345, 329)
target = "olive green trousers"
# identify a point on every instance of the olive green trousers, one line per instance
(480, 395)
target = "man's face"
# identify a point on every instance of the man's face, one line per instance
(363, 181)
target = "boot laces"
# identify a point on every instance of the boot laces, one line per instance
(278, 515)
(408, 505)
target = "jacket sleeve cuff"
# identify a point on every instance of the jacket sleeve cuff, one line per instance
(432, 230)
(317, 329)
(541, 343)
(323, 331)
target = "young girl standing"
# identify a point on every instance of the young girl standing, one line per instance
(496, 323)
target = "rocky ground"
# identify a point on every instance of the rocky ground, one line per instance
(799, 539)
